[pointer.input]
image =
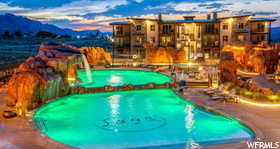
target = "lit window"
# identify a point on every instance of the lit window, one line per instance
(241, 38)
(241, 26)
(138, 27)
(225, 26)
(260, 38)
(225, 38)
(261, 27)
(153, 27)
(153, 39)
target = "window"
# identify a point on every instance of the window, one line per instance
(209, 28)
(261, 27)
(119, 30)
(153, 39)
(241, 38)
(240, 25)
(139, 39)
(260, 38)
(138, 28)
(225, 26)
(153, 27)
(225, 38)
(166, 29)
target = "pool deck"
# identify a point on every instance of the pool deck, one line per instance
(264, 121)
(19, 133)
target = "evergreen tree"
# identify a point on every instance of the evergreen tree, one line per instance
(6, 34)
(18, 33)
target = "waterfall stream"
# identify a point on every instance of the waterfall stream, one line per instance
(87, 67)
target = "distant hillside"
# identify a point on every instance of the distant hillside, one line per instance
(12, 23)
(275, 33)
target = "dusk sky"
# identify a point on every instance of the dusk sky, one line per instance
(96, 14)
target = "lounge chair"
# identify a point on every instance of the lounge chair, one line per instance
(216, 91)
(220, 87)
(229, 95)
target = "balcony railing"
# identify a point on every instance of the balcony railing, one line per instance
(260, 31)
(117, 45)
(211, 44)
(167, 44)
(121, 34)
(215, 31)
(242, 30)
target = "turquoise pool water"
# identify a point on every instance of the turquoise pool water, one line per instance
(143, 118)
(121, 77)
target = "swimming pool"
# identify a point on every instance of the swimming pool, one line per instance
(129, 119)
(121, 77)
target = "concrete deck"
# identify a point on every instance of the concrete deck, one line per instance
(264, 121)
(20, 133)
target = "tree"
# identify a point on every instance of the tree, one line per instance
(6, 34)
(18, 33)
(45, 34)
(97, 34)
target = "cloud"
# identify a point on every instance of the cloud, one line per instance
(98, 22)
(4, 7)
(86, 14)
(75, 10)
(139, 1)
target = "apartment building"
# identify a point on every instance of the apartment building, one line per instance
(200, 39)
(237, 30)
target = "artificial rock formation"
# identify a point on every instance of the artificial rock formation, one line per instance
(164, 55)
(44, 76)
(261, 58)
(228, 66)
(276, 76)
(97, 56)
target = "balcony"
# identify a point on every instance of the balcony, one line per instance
(170, 44)
(124, 45)
(138, 33)
(260, 31)
(211, 44)
(214, 31)
(241, 30)
(121, 34)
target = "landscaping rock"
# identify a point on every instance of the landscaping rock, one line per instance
(44, 76)
(97, 56)
(164, 54)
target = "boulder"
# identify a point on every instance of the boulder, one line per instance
(44, 76)
(228, 66)
(267, 91)
(160, 54)
(97, 56)
(262, 58)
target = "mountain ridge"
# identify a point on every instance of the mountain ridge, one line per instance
(12, 23)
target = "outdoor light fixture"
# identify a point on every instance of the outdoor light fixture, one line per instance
(230, 20)
(71, 79)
